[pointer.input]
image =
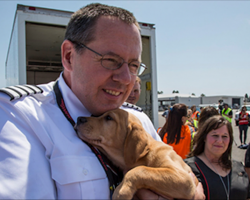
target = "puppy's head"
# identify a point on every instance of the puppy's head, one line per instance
(106, 132)
(117, 133)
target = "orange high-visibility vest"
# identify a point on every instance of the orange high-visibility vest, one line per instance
(194, 115)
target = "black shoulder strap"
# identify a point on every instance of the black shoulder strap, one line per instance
(113, 173)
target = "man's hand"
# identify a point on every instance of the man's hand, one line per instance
(148, 195)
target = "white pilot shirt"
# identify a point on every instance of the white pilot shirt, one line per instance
(41, 156)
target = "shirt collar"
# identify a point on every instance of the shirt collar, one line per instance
(72, 103)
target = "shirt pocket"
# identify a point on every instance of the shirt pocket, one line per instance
(79, 177)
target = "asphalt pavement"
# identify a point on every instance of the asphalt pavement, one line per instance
(237, 154)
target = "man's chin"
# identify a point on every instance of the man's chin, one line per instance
(105, 108)
(130, 101)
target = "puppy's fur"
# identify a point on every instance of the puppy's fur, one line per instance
(149, 164)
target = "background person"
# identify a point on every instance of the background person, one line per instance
(41, 155)
(175, 133)
(211, 161)
(190, 121)
(195, 116)
(190, 124)
(189, 118)
(195, 113)
(206, 113)
(134, 96)
(201, 108)
(247, 161)
(243, 126)
(227, 112)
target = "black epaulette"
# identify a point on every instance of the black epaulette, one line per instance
(18, 91)
(129, 105)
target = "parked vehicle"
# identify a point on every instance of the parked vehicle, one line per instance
(236, 106)
(237, 115)
(216, 106)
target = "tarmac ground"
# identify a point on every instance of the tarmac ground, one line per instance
(237, 154)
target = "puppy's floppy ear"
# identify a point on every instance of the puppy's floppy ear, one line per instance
(136, 142)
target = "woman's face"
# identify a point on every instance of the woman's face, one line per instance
(217, 142)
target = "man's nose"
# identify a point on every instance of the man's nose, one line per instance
(132, 93)
(123, 74)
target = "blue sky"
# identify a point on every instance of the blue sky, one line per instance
(201, 46)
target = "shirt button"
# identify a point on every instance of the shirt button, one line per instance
(85, 171)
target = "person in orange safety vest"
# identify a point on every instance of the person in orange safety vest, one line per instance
(175, 133)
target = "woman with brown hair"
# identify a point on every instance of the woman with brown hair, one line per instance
(206, 113)
(211, 161)
(175, 132)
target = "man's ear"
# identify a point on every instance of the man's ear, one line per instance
(67, 48)
(135, 146)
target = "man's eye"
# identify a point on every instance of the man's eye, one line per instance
(135, 65)
(109, 118)
(110, 60)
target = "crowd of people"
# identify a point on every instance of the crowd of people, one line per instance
(208, 149)
(43, 158)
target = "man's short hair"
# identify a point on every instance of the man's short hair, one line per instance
(81, 27)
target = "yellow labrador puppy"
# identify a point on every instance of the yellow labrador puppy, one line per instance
(149, 164)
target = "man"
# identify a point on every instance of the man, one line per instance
(135, 93)
(227, 113)
(195, 116)
(41, 155)
(195, 113)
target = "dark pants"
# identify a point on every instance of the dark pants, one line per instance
(243, 128)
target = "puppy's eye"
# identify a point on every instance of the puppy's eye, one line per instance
(109, 118)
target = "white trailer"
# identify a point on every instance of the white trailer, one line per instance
(34, 52)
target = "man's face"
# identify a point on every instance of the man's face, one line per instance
(101, 89)
(225, 106)
(135, 94)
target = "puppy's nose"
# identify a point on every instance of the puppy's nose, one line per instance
(81, 120)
